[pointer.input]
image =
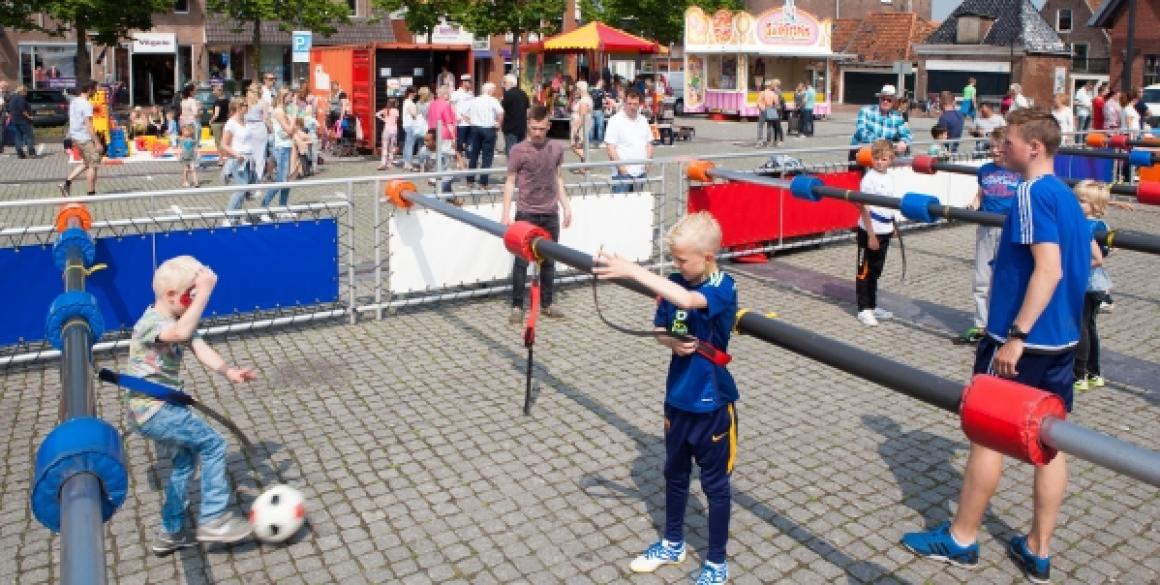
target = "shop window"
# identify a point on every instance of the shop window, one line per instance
(48, 66)
(1063, 20)
(1151, 70)
(181, 6)
(353, 5)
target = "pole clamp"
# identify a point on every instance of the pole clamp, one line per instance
(1007, 416)
(68, 306)
(80, 445)
(520, 239)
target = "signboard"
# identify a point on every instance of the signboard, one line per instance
(787, 31)
(302, 40)
(1060, 79)
(144, 42)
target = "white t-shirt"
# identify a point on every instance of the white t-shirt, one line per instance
(1083, 102)
(411, 115)
(483, 111)
(882, 217)
(1066, 122)
(631, 139)
(1131, 118)
(461, 100)
(79, 109)
(239, 137)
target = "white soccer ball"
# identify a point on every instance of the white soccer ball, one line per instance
(278, 513)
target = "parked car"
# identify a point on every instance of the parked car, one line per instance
(674, 88)
(49, 107)
(1151, 97)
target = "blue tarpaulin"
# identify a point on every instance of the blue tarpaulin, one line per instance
(259, 267)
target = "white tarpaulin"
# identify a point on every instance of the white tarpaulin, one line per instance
(431, 251)
(954, 189)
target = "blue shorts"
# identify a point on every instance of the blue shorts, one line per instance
(1051, 372)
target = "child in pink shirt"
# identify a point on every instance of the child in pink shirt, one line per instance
(390, 118)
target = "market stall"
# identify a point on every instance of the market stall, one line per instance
(729, 56)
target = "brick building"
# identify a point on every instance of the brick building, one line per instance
(880, 44)
(1090, 46)
(998, 42)
(1112, 16)
(845, 9)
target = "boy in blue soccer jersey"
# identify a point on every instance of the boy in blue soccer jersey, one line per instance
(700, 421)
(1040, 273)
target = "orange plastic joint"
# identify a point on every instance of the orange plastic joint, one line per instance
(1097, 140)
(71, 211)
(698, 170)
(395, 191)
(864, 158)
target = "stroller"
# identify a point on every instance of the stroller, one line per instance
(345, 137)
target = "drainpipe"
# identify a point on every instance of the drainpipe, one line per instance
(1128, 53)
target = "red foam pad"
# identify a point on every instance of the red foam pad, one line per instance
(520, 236)
(1120, 142)
(924, 164)
(1148, 192)
(1006, 416)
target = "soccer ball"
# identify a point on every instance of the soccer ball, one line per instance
(278, 513)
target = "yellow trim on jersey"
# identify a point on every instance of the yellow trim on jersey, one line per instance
(732, 440)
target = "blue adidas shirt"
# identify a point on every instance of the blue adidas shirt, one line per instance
(1045, 211)
(694, 383)
(998, 185)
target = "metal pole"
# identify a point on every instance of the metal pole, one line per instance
(82, 531)
(945, 394)
(378, 203)
(1120, 189)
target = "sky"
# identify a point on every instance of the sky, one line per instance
(940, 9)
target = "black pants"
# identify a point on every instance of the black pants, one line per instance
(550, 222)
(870, 263)
(775, 134)
(1087, 351)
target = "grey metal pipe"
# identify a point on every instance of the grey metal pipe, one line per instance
(1103, 450)
(82, 525)
(82, 531)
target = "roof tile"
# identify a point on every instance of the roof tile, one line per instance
(220, 29)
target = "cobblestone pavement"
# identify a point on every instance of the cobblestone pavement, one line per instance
(407, 438)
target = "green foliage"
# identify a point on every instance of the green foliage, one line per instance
(656, 20)
(422, 16)
(497, 17)
(319, 16)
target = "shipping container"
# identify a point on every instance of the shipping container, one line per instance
(366, 71)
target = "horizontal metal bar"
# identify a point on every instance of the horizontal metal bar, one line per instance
(1103, 450)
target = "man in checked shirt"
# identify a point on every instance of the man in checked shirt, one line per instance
(881, 122)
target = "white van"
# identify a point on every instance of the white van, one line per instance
(1151, 97)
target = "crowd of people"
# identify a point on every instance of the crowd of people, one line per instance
(772, 108)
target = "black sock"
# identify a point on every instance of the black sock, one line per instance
(67, 183)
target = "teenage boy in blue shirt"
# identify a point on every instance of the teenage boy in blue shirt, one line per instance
(700, 423)
(1041, 271)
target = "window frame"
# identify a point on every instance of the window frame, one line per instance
(1070, 20)
(177, 4)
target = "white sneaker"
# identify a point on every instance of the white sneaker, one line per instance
(39, 149)
(656, 555)
(867, 318)
(883, 314)
(265, 218)
(227, 223)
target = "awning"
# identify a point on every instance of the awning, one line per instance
(482, 54)
(595, 36)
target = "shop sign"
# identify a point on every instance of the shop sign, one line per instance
(739, 31)
(154, 42)
(788, 26)
(446, 33)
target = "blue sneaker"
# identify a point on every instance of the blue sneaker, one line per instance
(1037, 568)
(713, 574)
(658, 554)
(938, 544)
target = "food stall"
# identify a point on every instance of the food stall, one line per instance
(729, 56)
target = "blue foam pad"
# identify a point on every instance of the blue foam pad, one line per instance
(1140, 158)
(80, 445)
(73, 238)
(916, 207)
(70, 305)
(802, 187)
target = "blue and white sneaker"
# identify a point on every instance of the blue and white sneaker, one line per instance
(938, 544)
(1037, 568)
(658, 554)
(713, 574)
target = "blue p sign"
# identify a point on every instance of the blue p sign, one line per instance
(302, 39)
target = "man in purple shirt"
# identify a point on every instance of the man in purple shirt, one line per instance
(534, 166)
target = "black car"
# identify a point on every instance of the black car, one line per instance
(49, 107)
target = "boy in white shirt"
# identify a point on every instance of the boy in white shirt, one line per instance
(874, 230)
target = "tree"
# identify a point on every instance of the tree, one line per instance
(656, 20)
(497, 17)
(103, 21)
(421, 17)
(320, 16)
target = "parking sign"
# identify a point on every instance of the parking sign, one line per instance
(301, 47)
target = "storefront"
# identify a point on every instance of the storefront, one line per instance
(48, 65)
(730, 55)
(154, 63)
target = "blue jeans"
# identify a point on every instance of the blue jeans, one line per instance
(281, 175)
(240, 175)
(510, 140)
(482, 141)
(627, 183)
(23, 139)
(185, 437)
(807, 122)
(597, 126)
(408, 146)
